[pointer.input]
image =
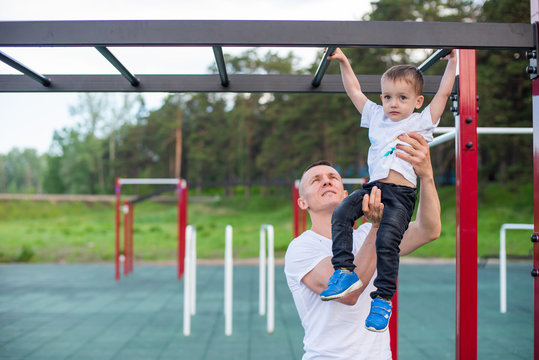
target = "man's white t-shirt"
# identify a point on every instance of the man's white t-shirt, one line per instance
(332, 330)
(383, 133)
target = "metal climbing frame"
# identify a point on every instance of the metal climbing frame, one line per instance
(218, 34)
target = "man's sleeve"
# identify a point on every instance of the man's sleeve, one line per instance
(301, 257)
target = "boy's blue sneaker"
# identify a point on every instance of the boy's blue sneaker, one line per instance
(378, 318)
(341, 283)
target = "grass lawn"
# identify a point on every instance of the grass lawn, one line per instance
(84, 232)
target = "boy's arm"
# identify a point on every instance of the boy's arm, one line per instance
(349, 79)
(437, 105)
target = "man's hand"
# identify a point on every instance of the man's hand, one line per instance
(417, 154)
(372, 207)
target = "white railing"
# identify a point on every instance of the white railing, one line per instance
(189, 280)
(228, 280)
(267, 229)
(503, 261)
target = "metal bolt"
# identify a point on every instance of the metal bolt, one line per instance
(469, 145)
(531, 69)
(477, 110)
(453, 109)
(531, 54)
(469, 120)
(534, 238)
(535, 272)
(453, 97)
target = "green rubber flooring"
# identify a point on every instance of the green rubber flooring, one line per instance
(81, 312)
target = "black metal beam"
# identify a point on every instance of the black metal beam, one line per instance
(24, 69)
(220, 61)
(322, 67)
(118, 65)
(433, 59)
(390, 34)
(198, 83)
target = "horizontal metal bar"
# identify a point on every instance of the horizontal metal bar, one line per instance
(490, 130)
(148, 181)
(118, 65)
(220, 61)
(322, 67)
(24, 69)
(241, 83)
(433, 59)
(390, 34)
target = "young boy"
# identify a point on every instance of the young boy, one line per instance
(402, 88)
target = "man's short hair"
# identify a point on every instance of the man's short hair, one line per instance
(317, 163)
(410, 74)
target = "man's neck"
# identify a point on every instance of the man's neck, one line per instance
(321, 224)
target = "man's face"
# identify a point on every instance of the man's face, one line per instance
(399, 99)
(321, 188)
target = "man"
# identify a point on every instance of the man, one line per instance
(335, 329)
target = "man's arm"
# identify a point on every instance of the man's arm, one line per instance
(427, 225)
(437, 105)
(365, 259)
(349, 79)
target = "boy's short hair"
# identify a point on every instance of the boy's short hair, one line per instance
(408, 73)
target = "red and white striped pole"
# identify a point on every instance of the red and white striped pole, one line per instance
(466, 199)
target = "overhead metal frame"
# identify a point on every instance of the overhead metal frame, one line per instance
(244, 33)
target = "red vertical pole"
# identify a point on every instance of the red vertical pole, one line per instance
(118, 188)
(534, 9)
(295, 207)
(182, 223)
(303, 220)
(466, 168)
(394, 325)
(126, 237)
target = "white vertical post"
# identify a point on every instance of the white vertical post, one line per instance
(503, 272)
(503, 261)
(187, 285)
(271, 280)
(193, 269)
(262, 273)
(270, 303)
(228, 280)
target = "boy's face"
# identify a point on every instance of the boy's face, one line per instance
(399, 99)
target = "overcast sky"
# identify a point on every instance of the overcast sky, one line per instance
(29, 120)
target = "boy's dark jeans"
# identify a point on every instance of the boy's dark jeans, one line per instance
(399, 202)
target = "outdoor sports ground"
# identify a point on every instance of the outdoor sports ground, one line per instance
(81, 312)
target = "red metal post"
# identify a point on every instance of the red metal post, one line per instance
(303, 220)
(126, 237)
(394, 325)
(182, 223)
(118, 188)
(466, 168)
(534, 9)
(295, 207)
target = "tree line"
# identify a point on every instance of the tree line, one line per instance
(268, 139)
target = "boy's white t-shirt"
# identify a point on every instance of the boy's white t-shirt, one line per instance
(383, 133)
(332, 330)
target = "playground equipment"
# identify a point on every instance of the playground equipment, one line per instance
(425, 35)
(270, 260)
(503, 261)
(189, 285)
(128, 210)
(189, 282)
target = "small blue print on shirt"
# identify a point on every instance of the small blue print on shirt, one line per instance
(391, 151)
